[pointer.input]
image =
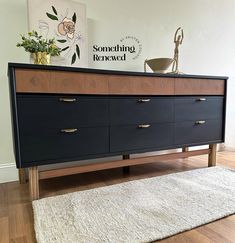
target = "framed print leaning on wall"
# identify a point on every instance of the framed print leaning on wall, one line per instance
(65, 20)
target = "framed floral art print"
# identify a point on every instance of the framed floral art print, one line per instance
(64, 20)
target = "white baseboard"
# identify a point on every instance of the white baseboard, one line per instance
(8, 173)
(228, 148)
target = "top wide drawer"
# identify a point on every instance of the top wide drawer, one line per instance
(137, 110)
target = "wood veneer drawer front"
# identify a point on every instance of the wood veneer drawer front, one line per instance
(48, 111)
(42, 81)
(140, 110)
(80, 83)
(190, 132)
(189, 86)
(198, 108)
(39, 144)
(134, 85)
(124, 138)
(37, 81)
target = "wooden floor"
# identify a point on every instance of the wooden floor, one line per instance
(16, 216)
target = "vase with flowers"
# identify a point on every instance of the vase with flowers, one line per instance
(40, 48)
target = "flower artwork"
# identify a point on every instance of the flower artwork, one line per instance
(67, 27)
(65, 21)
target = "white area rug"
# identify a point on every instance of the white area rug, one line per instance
(138, 211)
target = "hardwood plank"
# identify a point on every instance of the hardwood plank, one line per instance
(188, 86)
(212, 235)
(231, 219)
(16, 218)
(4, 229)
(191, 236)
(22, 239)
(134, 85)
(3, 201)
(27, 218)
(221, 229)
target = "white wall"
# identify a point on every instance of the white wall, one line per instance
(208, 48)
(13, 20)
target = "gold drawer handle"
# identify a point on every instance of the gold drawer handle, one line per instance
(67, 100)
(69, 130)
(201, 99)
(144, 126)
(144, 100)
(200, 122)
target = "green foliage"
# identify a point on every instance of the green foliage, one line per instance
(51, 16)
(54, 10)
(62, 41)
(74, 57)
(74, 18)
(66, 48)
(35, 43)
(78, 51)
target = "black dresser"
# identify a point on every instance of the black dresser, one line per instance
(70, 114)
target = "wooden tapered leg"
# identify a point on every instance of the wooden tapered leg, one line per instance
(212, 155)
(33, 183)
(185, 149)
(22, 175)
(126, 169)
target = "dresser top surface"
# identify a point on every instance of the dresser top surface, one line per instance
(110, 72)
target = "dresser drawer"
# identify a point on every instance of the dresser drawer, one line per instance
(190, 132)
(198, 108)
(199, 86)
(124, 138)
(141, 109)
(54, 82)
(140, 85)
(50, 144)
(71, 111)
